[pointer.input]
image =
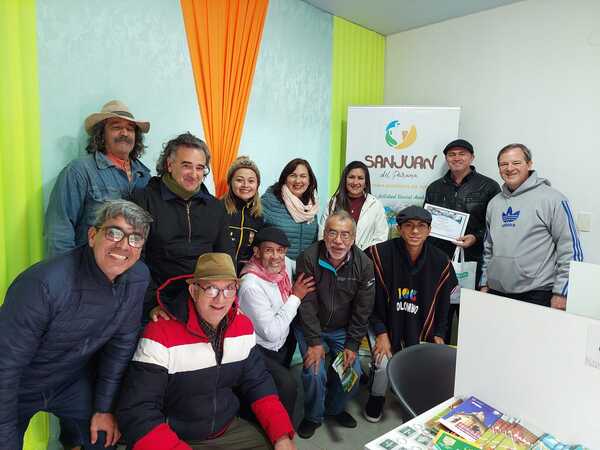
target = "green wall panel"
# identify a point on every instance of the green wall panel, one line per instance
(358, 66)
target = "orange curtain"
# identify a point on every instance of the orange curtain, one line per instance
(223, 38)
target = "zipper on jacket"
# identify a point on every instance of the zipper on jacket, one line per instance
(332, 301)
(214, 415)
(187, 208)
(241, 234)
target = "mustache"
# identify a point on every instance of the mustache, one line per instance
(125, 139)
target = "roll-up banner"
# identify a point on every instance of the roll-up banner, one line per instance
(403, 148)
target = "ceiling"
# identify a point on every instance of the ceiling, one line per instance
(393, 16)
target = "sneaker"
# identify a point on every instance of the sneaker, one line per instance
(345, 420)
(307, 428)
(374, 408)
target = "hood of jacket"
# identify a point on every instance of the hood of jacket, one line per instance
(530, 183)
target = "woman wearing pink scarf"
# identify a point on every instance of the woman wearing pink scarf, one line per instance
(269, 299)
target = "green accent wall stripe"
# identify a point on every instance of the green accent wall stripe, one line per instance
(357, 77)
(21, 210)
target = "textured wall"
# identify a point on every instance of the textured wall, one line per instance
(92, 52)
(290, 103)
(358, 63)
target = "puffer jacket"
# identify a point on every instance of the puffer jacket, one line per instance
(57, 316)
(181, 232)
(243, 226)
(300, 235)
(343, 298)
(175, 391)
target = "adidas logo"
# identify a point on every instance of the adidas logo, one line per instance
(509, 217)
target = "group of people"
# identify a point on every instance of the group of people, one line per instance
(226, 289)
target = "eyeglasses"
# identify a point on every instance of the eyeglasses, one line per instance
(333, 234)
(213, 291)
(115, 234)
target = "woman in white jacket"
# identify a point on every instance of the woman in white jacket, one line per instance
(354, 195)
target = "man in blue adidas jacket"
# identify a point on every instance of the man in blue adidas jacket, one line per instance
(531, 235)
(69, 326)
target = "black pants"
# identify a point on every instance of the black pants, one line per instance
(287, 387)
(541, 298)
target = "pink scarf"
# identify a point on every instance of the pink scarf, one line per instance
(282, 279)
(298, 210)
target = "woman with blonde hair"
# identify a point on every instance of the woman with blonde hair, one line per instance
(244, 209)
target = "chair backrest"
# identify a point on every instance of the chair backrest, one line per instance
(422, 376)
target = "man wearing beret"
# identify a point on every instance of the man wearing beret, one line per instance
(466, 190)
(111, 170)
(268, 297)
(414, 283)
(179, 390)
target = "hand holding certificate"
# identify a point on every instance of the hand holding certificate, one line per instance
(447, 224)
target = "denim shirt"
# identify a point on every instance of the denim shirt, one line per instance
(81, 187)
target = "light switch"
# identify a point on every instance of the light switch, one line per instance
(584, 221)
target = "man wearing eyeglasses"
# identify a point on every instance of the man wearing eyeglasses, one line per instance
(69, 327)
(188, 221)
(335, 317)
(415, 282)
(179, 389)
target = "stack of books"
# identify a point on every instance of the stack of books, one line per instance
(473, 424)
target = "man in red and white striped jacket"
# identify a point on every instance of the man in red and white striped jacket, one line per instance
(178, 392)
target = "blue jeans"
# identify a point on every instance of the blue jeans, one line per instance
(72, 404)
(318, 401)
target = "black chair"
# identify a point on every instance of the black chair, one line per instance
(422, 376)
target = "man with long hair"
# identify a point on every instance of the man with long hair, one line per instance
(111, 170)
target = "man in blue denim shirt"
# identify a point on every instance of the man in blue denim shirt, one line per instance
(110, 171)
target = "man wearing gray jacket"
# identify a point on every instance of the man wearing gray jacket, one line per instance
(531, 235)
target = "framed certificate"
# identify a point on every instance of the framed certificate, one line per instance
(447, 224)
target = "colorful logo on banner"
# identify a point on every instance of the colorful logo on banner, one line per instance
(399, 138)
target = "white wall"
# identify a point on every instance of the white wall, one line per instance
(529, 73)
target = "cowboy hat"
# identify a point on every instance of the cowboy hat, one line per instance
(114, 108)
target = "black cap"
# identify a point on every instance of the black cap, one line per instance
(271, 234)
(460, 143)
(413, 213)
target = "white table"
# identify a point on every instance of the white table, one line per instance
(394, 434)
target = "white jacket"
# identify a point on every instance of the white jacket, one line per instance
(261, 301)
(372, 227)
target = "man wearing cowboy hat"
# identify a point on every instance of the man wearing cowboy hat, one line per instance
(110, 171)
(179, 389)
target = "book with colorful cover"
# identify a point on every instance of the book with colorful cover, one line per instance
(497, 432)
(348, 377)
(433, 425)
(519, 437)
(471, 418)
(447, 441)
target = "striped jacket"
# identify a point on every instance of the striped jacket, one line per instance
(175, 391)
(411, 301)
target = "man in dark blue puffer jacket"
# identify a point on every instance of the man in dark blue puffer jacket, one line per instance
(68, 328)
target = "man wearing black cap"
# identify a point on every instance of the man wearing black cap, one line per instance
(269, 299)
(414, 282)
(463, 189)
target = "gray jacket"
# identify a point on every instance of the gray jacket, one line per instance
(530, 239)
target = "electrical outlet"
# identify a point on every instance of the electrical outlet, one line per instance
(584, 221)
